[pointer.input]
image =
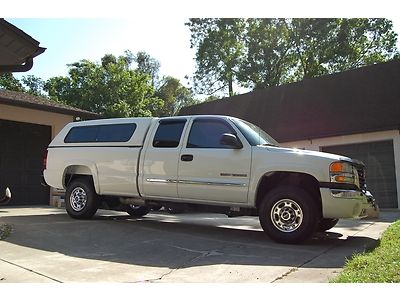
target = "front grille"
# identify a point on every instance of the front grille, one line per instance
(361, 175)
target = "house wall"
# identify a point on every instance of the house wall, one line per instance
(21, 114)
(317, 144)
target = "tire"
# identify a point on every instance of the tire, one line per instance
(81, 200)
(289, 215)
(326, 224)
(136, 210)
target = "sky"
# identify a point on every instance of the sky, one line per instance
(70, 40)
(82, 29)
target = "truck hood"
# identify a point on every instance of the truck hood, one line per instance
(308, 153)
(271, 158)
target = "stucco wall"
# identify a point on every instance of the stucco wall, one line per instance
(394, 135)
(20, 114)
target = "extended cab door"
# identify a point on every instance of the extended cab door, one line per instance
(210, 170)
(160, 160)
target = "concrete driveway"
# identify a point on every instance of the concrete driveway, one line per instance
(48, 246)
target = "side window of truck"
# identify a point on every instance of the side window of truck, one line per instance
(100, 133)
(207, 133)
(169, 133)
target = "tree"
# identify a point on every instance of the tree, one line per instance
(174, 95)
(268, 54)
(33, 85)
(109, 88)
(28, 84)
(9, 82)
(363, 42)
(219, 51)
(313, 45)
(325, 46)
(147, 65)
(259, 53)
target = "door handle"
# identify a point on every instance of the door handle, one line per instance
(187, 157)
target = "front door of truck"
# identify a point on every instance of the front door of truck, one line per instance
(160, 163)
(212, 171)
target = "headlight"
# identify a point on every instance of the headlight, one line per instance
(343, 172)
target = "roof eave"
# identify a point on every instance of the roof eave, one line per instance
(60, 110)
(23, 63)
(338, 134)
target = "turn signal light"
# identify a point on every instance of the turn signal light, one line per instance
(343, 179)
(340, 167)
(337, 167)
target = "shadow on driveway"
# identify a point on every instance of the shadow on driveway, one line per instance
(175, 241)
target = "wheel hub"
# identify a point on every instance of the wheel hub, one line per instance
(286, 215)
(78, 199)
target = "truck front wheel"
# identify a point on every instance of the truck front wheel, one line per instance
(289, 215)
(81, 200)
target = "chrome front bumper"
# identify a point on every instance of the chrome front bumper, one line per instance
(341, 203)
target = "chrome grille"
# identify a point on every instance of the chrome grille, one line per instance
(361, 175)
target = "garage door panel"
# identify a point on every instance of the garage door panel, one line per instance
(34, 164)
(21, 161)
(12, 162)
(381, 174)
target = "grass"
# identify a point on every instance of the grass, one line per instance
(5, 231)
(381, 264)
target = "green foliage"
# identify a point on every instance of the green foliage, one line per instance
(175, 96)
(33, 85)
(324, 46)
(28, 84)
(211, 98)
(258, 53)
(110, 88)
(147, 65)
(219, 44)
(269, 57)
(363, 42)
(380, 265)
(9, 82)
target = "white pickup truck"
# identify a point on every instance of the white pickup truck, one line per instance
(204, 163)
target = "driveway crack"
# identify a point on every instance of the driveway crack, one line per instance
(29, 270)
(202, 254)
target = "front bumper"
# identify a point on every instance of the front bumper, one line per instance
(343, 203)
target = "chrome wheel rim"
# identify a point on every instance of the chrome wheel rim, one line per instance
(286, 215)
(78, 199)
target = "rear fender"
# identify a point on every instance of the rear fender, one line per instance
(82, 168)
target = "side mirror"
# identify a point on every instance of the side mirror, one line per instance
(231, 140)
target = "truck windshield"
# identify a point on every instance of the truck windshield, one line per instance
(254, 134)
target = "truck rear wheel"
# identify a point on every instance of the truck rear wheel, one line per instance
(136, 210)
(289, 215)
(81, 200)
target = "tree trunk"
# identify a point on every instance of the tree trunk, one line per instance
(230, 87)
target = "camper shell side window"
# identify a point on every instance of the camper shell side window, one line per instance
(101, 133)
